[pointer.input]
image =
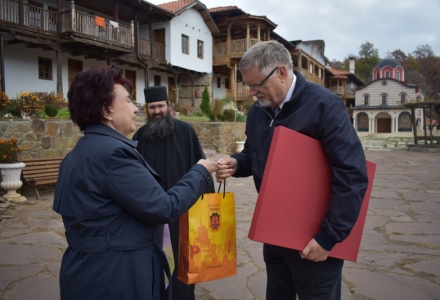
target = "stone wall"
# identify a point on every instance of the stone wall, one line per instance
(40, 137)
(56, 137)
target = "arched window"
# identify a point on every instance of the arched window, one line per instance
(377, 75)
(366, 99)
(384, 99)
(387, 74)
(402, 98)
(398, 75)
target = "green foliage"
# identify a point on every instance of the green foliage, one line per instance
(212, 116)
(9, 150)
(229, 115)
(51, 110)
(194, 118)
(247, 103)
(368, 59)
(4, 102)
(217, 107)
(183, 109)
(205, 105)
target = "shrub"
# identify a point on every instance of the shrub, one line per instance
(229, 115)
(30, 103)
(183, 109)
(9, 151)
(4, 102)
(205, 105)
(51, 110)
(217, 107)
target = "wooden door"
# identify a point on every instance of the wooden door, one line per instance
(73, 67)
(383, 125)
(159, 36)
(131, 75)
(171, 90)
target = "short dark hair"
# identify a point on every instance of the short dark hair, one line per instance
(91, 92)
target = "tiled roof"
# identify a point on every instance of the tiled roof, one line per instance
(222, 8)
(175, 5)
(339, 72)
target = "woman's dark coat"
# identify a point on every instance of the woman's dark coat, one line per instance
(113, 209)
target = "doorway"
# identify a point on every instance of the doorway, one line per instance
(74, 67)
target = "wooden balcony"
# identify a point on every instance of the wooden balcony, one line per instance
(83, 23)
(33, 16)
(310, 76)
(242, 92)
(237, 47)
(145, 49)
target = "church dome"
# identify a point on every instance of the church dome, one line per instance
(393, 63)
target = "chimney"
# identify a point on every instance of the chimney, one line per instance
(351, 58)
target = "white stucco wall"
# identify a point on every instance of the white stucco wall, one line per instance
(393, 89)
(21, 71)
(191, 24)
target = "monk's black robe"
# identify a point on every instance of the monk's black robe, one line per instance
(172, 157)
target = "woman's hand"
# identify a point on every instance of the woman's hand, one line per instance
(211, 166)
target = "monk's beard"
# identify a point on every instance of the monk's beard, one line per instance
(158, 128)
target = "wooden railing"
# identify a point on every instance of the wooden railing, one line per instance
(237, 47)
(242, 92)
(145, 48)
(9, 11)
(40, 18)
(86, 24)
(33, 16)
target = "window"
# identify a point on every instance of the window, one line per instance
(157, 81)
(311, 68)
(185, 44)
(384, 99)
(44, 68)
(387, 74)
(398, 75)
(384, 83)
(219, 82)
(200, 49)
(366, 99)
(402, 98)
(377, 76)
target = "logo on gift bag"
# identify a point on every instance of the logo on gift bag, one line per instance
(215, 221)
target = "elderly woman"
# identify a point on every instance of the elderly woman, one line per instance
(112, 205)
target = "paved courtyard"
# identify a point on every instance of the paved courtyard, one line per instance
(399, 256)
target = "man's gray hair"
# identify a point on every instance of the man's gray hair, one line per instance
(266, 56)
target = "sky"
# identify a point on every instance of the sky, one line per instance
(344, 25)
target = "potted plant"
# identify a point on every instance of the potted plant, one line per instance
(10, 169)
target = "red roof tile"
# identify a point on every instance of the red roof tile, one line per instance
(175, 5)
(222, 8)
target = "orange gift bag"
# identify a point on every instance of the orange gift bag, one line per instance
(207, 239)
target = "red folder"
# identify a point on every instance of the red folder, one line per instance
(295, 194)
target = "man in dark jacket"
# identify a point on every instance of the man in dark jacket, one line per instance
(286, 99)
(171, 147)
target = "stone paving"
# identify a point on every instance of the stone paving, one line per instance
(399, 256)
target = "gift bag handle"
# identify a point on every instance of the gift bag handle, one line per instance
(218, 191)
(224, 187)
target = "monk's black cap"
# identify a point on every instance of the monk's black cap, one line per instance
(155, 93)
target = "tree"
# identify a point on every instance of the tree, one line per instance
(205, 106)
(400, 56)
(368, 59)
(423, 51)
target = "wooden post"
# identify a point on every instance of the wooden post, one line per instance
(193, 98)
(232, 81)
(258, 33)
(228, 40)
(132, 32)
(59, 73)
(73, 16)
(21, 14)
(176, 86)
(59, 19)
(248, 35)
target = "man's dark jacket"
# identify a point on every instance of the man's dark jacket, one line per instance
(318, 113)
(113, 209)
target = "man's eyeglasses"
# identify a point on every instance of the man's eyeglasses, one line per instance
(258, 86)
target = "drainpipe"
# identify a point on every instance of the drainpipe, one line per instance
(2, 62)
(136, 42)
